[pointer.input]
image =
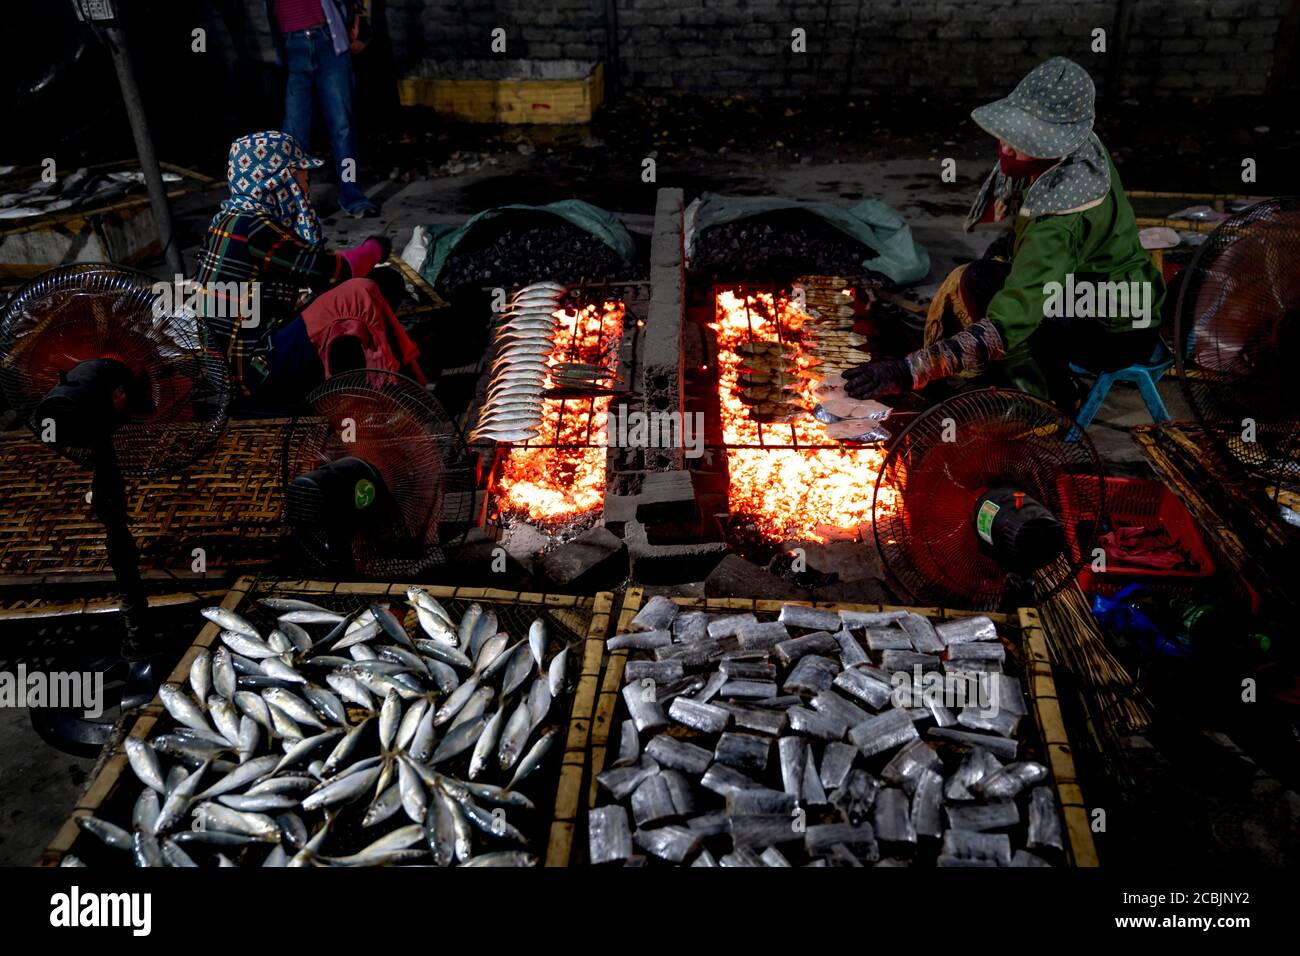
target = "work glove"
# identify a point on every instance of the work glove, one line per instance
(364, 257)
(874, 379)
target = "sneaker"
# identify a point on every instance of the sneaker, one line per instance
(363, 210)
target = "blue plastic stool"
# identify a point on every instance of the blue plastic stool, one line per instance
(1143, 376)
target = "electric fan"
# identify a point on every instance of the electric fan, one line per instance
(983, 503)
(1237, 332)
(367, 494)
(110, 379)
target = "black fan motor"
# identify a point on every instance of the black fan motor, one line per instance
(90, 402)
(337, 495)
(1019, 532)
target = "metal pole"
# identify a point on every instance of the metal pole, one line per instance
(162, 214)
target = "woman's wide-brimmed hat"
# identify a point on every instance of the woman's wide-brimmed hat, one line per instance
(1049, 113)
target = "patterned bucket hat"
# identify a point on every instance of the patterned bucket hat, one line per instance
(1048, 114)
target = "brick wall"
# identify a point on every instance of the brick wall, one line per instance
(975, 47)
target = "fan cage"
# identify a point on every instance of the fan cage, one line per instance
(942, 464)
(406, 435)
(1237, 336)
(94, 310)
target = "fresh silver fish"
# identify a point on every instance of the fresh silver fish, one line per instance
(201, 674)
(230, 621)
(254, 648)
(343, 790)
(533, 759)
(312, 617)
(514, 737)
(459, 740)
(179, 799)
(144, 761)
(485, 747)
(107, 833)
(226, 716)
(517, 669)
(223, 673)
(557, 672)
(539, 701)
(180, 706)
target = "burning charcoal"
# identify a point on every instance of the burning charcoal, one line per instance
(1025, 858)
(772, 857)
(941, 715)
(837, 760)
(671, 843)
(1010, 780)
(819, 643)
(973, 768)
(1000, 722)
(865, 686)
(657, 615)
(977, 652)
(894, 662)
(998, 746)
(743, 655)
(743, 856)
(643, 641)
(1044, 820)
(967, 845)
(629, 744)
(710, 824)
(861, 839)
(762, 636)
(702, 717)
(682, 688)
(892, 817)
(608, 836)
(794, 754)
(760, 830)
(814, 795)
(887, 639)
(921, 631)
(811, 675)
(690, 626)
(851, 652)
(927, 804)
(744, 802)
(1009, 695)
(907, 765)
(644, 709)
(621, 781)
(749, 717)
(855, 799)
(745, 752)
(978, 817)
(729, 625)
(652, 802)
(679, 788)
(749, 670)
(860, 619)
(679, 755)
(749, 689)
(966, 629)
(809, 618)
(657, 671)
(704, 859)
(724, 780)
(878, 734)
(714, 684)
(813, 724)
(693, 654)
(834, 705)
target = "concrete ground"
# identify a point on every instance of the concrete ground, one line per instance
(39, 786)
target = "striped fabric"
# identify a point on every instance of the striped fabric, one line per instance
(251, 247)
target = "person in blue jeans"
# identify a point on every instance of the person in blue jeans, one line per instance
(316, 39)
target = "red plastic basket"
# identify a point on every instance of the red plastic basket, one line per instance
(1149, 504)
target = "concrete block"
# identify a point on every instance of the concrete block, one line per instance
(666, 496)
(595, 559)
(736, 577)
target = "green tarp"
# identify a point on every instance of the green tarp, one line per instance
(443, 238)
(873, 223)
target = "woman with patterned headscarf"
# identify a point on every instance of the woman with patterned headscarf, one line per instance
(1074, 239)
(262, 248)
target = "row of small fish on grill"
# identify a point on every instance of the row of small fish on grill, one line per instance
(364, 746)
(80, 188)
(791, 742)
(524, 340)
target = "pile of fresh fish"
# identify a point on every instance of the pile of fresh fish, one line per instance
(81, 188)
(359, 745)
(812, 740)
(849, 419)
(525, 338)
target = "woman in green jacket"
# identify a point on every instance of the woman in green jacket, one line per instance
(1078, 288)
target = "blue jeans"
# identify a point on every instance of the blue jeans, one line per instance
(315, 70)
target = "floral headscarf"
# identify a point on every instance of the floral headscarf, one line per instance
(261, 174)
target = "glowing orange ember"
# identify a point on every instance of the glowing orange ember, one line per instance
(549, 483)
(793, 492)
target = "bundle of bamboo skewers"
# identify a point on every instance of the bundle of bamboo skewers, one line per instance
(1113, 705)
